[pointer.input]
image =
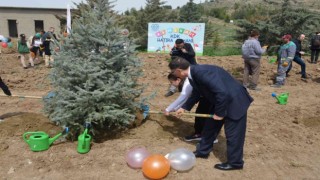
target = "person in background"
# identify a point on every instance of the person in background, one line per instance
(4, 88)
(251, 53)
(315, 47)
(41, 49)
(24, 52)
(297, 57)
(48, 52)
(50, 33)
(285, 56)
(35, 47)
(183, 50)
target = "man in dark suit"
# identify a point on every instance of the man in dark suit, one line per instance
(230, 102)
(4, 88)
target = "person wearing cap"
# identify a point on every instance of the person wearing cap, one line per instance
(286, 54)
(297, 58)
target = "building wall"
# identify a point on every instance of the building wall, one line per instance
(25, 19)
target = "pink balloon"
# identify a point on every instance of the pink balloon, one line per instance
(136, 156)
(4, 44)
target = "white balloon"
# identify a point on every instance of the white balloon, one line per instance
(182, 159)
(136, 156)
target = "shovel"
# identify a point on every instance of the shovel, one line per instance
(186, 114)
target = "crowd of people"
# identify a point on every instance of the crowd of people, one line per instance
(227, 100)
(37, 47)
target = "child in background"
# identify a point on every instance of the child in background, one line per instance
(24, 51)
(35, 47)
(48, 52)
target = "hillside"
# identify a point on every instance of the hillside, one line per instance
(309, 4)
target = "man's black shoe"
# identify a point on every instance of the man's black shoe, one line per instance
(227, 167)
(193, 137)
(7, 91)
(198, 155)
(304, 79)
(169, 93)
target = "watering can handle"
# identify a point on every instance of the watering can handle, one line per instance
(26, 133)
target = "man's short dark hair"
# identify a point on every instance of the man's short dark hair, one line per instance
(254, 33)
(172, 77)
(179, 41)
(180, 63)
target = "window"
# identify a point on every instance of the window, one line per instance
(13, 31)
(38, 25)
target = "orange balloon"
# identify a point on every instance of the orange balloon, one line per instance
(155, 166)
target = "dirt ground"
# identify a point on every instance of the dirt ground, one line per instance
(282, 141)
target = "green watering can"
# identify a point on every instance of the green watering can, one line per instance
(272, 60)
(40, 141)
(282, 98)
(84, 141)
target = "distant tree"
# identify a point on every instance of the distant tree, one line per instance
(137, 21)
(286, 20)
(190, 12)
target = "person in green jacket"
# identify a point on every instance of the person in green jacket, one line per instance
(24, 51)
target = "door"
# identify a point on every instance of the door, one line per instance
(13, 30)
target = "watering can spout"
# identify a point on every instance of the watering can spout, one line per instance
(275, 96)
(51, 140)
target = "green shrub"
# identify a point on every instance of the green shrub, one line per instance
(221, 51)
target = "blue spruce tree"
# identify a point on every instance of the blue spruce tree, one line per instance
(95, 75)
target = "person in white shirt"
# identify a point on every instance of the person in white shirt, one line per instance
(203, 107)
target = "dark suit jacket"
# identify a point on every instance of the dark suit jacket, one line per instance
(190, 56)
(227, 96)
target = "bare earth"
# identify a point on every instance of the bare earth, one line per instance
(282, 141)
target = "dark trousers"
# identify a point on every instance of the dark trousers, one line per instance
(299, 61)
(235, 131)
(314, 55)
(4, 88)
(203, 108)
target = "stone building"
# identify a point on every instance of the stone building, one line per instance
(29, 17)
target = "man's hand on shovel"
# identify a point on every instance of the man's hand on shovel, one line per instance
(180, 111)
(215, 117)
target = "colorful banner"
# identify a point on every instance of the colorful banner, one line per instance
(161, 36)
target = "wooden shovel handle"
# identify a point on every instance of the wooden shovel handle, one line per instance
(21, 96)
(186, 114)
